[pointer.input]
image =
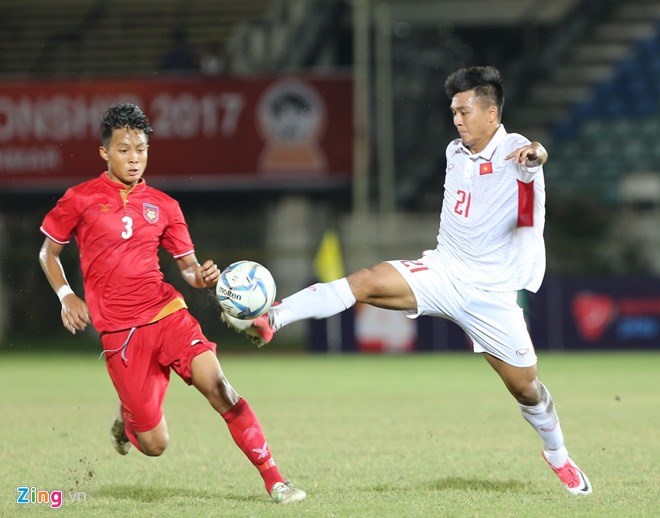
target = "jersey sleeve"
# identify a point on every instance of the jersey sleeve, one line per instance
(176, 238)
(60, 223)
(524, 174)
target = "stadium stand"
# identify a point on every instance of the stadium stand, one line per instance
(100, 38)
(586, 82)
(585, 60)
(614, 127)
(294, 35)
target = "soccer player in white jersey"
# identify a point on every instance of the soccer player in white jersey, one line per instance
(490, 245)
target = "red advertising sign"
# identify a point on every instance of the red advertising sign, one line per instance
(207, 132)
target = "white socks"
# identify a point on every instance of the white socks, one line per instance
(543, 418)
(316, 301)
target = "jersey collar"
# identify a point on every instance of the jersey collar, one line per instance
(118, 186)
(488, 152)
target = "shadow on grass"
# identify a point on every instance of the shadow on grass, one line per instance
(471, 484)
(147, 493)
(461, 484)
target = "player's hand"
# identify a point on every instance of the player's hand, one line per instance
(75, 315)
(531, 155)
(209, 274)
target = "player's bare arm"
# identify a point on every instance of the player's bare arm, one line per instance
(198, 276)
(75, 315)
(531, 155)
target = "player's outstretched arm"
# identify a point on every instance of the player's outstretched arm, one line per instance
(75, 315)
(198, 276)
(531, 155)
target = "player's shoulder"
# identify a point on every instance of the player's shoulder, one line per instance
(509, 143)
(513, 141)
(454, 147)
(157, 193)
(82, 190)
(86, 186)
(157, 196)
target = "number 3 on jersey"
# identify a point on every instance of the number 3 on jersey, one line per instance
(128, 228)
(462, 207)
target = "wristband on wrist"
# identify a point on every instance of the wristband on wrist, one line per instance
(63, 292)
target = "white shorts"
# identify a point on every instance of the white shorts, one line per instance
(493, 320)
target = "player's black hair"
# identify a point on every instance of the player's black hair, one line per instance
(485, 81)
(124, 115)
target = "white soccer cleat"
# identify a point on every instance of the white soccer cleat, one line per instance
(286, 493)
(118, 437)
(258, 330)
(573, 478)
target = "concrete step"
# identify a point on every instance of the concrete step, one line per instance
(534, 115)
(584, 74)
(640, 11)
(556, 94)
(624, 33)
(596, 53)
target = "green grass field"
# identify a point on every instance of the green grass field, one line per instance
(363, 435)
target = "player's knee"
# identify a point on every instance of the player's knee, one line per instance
(222, 395)
(155, 448)
(365, 284)
(154, 444)
(526, 393)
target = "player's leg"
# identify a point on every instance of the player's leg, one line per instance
(536, 404)
(538, 409)
(141, 384)
(152, 443)
(381, 285)
(195, 361)
(497, 327)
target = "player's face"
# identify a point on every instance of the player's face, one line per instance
(126, 155)
(475, 121)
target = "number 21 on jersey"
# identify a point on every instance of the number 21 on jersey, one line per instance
(128, 227)
(462, 207)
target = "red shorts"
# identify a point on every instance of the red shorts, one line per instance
(139, 362)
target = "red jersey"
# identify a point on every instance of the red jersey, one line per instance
(118, 232)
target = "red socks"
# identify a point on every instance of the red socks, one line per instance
(248, 436)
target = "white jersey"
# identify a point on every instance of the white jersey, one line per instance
(493, 214)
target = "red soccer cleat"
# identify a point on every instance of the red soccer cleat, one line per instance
(258, 330)
(573, 478)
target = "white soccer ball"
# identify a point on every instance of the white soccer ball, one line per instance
(245, 290)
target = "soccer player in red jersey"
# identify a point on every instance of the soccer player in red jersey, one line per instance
(118, 222)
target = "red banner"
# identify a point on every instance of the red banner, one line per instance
(207, 132)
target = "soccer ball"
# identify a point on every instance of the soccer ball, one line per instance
(245, 290)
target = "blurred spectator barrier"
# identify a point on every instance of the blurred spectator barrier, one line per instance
(259, 132)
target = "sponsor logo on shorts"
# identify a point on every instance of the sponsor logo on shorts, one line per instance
(522, 352)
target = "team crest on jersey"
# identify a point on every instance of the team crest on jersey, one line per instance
(150, 212)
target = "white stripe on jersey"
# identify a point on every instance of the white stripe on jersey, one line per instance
(479, 238)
